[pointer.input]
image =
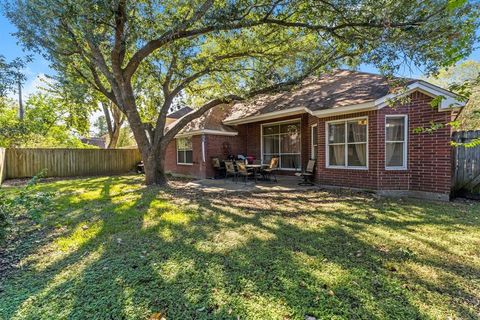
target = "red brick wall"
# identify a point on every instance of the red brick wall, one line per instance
(194, 170)
(429, 155)
(357, 178)
(213, 148)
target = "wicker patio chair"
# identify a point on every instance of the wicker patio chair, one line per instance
(307, 175)
(271, 170)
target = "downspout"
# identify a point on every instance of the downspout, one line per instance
(203, 147)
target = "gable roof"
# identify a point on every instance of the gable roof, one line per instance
(211, 122)
(339, 91)
(179, 113)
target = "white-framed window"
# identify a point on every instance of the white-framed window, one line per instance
(396, 147)
(184, 151)
(282, 140)
(347, 143)
(314, 140)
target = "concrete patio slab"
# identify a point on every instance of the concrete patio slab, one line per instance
(284, 183)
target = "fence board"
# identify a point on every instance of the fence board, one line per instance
(467, 164)
(3, 172)
(24, 163)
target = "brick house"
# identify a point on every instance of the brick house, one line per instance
(346, 122)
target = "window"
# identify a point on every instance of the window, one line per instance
(282, 140)
(396, 129)
(184, 151)
(314, 137)
(347, 144)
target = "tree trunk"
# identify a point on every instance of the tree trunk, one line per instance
(154, 165)
(113, 138)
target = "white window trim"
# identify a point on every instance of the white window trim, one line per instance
(327, 149)
(176, 153)
(311, 142)
(296, 120)
(405, 142)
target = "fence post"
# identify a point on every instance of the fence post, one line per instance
(3, 170)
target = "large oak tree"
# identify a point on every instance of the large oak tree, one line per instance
(213, 52)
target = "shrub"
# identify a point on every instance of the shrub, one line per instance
(27, 202)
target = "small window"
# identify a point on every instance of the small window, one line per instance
(347, 144)
(396, 129)
(184, 151)
(314, 137)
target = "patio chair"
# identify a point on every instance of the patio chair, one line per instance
(307, 175)
(271, 170)
(230, 170)
(219, 171)
(243, 171)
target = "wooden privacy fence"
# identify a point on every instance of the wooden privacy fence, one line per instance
(467, 164)
(23, 163)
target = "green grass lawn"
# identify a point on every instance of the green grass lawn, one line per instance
(114, 249)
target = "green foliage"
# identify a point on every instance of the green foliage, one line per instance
(47, 123)
(234, 46)
(31, 202)
(101, 125)
(463, 79)
(27, 202)
(11, 74)
(433, 126)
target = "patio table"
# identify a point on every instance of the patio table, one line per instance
(255, 168)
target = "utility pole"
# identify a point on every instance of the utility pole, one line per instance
(21, 111)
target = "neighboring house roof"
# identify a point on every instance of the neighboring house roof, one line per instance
(95, 141)
(179, 113)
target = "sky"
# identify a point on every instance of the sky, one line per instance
(39, 67)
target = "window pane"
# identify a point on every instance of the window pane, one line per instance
(395, 129)
(394, 154)
(314, 152)
(290, 161)
(181, 157)
(336, 155)
(184, 144)
(270, 129)
(357, 155)
(290, 143)
(336, 133)
(290, 128)
(180, 144)
(357, 131)
(270, 144)
(315, 135)
(189, 156)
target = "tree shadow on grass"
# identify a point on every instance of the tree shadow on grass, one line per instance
(214, 257)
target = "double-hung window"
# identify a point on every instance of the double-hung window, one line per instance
(283, 141)
(184, 150)
(347, 142)
(396, 128)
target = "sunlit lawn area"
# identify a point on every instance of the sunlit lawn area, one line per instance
(114, 249)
